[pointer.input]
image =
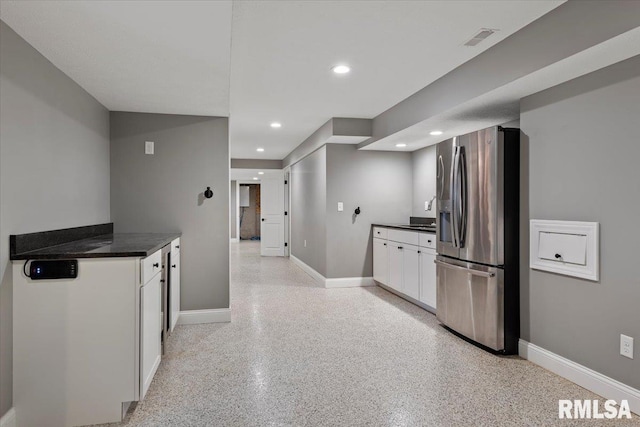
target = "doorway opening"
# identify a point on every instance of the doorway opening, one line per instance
(249, 212)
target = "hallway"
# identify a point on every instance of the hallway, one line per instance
(296, 354)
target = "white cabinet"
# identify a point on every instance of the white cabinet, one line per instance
(428, 277)
(395, 265)
(380, 261)
(405, 267)
(150, 331)
(174, 284)
(411, 271)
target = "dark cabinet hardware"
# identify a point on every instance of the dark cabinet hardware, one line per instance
(558, 256)
(156, 265)
(173, 266)
(208, 193)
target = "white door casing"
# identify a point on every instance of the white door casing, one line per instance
(272, 215)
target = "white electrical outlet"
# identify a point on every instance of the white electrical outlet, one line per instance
(148, 147)
(626, 346)
(305, 243)
(340, 206)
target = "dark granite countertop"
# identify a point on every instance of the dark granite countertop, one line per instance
(422, 228)
(97, 246)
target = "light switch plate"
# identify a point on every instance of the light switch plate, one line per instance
(426, 206)
(340, 206)
(148, 147)
(626, 346)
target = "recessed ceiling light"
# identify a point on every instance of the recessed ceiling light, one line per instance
(255, 178)
(435, 132)
(260, 150)
(276, 125)
(401, 145)
(341, 69)
(261, 173)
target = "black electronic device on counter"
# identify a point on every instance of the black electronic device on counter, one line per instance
(53, 269)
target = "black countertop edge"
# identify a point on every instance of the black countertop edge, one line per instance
(29, 242)
(119, 245)
(406, 227)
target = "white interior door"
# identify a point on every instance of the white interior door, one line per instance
(272, 215)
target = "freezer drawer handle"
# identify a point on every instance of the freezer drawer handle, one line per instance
(468, 270)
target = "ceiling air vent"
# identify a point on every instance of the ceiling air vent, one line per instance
(481, 35)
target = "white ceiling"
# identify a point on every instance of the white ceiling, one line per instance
(283, 52)
(502, 105)
(143, 56)
(175, 57)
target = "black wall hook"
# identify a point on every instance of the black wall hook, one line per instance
(208, 193)
(357, 212)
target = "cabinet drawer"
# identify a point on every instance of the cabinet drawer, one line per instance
(151, 266)
(175, 248)
(428, 240)
(408, 237)
(380, 232)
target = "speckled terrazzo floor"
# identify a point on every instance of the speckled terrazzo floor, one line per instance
(296, 354)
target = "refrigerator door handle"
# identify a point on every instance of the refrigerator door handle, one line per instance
(468, 270)
(462, 198)
(454, 196)
(440, 174)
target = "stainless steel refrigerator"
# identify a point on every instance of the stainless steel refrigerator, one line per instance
(477, 237)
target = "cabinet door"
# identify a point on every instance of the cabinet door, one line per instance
(150, 331)
(411, 271)
(395, 265)
(174, 295)
(428, 277)
(380, 261)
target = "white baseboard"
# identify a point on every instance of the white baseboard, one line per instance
(8, 419)
(349, 282)
(581, 375)
(309, 270)
(340, 282)
(234, 240)
(194, 317)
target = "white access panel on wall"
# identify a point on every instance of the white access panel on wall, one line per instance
(565, 247)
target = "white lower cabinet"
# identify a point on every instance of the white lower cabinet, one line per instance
(411, 271)
(395, 265)
(428, 277)
(174, 284)
(405, 267)
(150, 331)
(380, 261)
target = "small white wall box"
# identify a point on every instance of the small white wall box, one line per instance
(565, 247)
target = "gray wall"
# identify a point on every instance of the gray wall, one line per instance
(309, 210)
(423, 164)
(255, 164)
(583, 165)
(164, 193)
(379, 182)
(54, 163)
(233, 208)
